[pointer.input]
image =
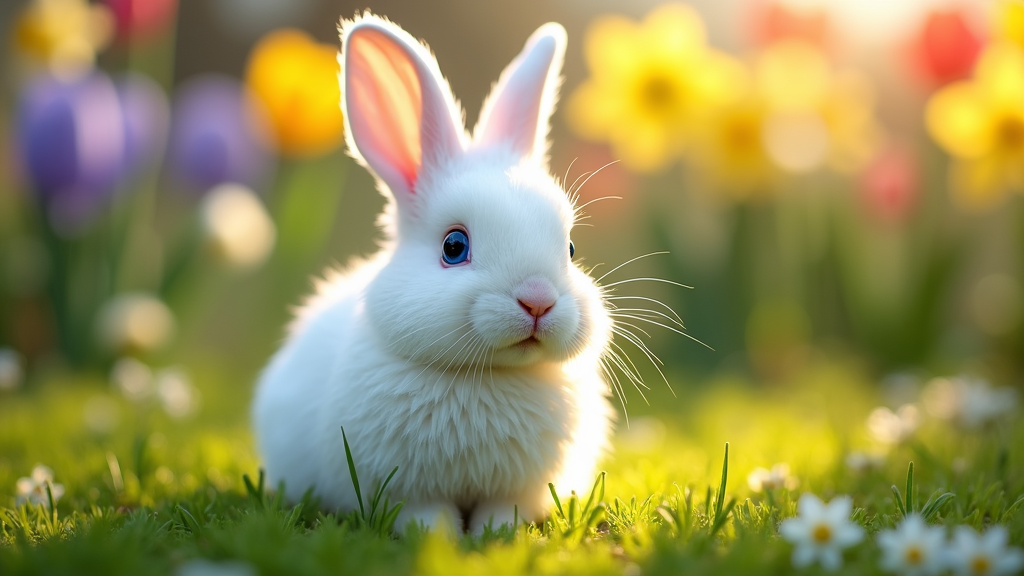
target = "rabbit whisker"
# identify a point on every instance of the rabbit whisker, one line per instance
(653, 300)
(630, 261)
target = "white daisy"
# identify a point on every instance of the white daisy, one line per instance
(971, 402)
(32, 490)
(821, 531)
(973, 554)
(761, 479)
(914, 548)
(863, 462)
(890, 427)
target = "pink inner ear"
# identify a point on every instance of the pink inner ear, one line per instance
(385, 105)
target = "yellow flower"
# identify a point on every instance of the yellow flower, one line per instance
(651, 84)
(819, 116)
(981, 123)
(731, 155)
(1010, 20)
(64, 34)
(797, 116)
(297, 80)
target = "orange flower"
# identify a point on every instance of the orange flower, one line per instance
(296, 78)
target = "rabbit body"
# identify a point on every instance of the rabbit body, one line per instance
(479, 378)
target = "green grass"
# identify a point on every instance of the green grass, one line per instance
(155, 493)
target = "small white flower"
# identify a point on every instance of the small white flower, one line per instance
(914, 548)
(761, 479)
(972, 402)
(862, 462)
(973, 554)
(177, 395)
(890, 427)
(32, 490)
(133, 379)
(134, 322)
(10, 369)
(821, 531)
(237, 227)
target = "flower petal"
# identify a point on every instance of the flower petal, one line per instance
(1000, 71)
(831, 558)
(958, 119)
(803, 555)
(810, 506)
(794, 529)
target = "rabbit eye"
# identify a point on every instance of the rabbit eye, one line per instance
(455, 248)
(572, 249)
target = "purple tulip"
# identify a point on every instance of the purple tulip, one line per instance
(71, 137)
(218, 134)
(146, 116)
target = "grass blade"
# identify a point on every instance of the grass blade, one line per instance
(380, 491)
(899, 501)
(720, 500)
(558, 503)
(352, 473)
(910, 489)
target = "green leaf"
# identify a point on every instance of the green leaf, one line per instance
(935, 504)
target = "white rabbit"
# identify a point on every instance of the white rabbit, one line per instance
(467, 351)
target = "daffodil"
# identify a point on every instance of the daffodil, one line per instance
(819, 116)
(651, 85)
(980, 122)
(914, 548)
(297, 80)
(1010, 21)
(821, 531)
(797, 115)
(64, 35)
(731, 155)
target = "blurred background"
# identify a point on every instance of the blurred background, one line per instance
(836, 181)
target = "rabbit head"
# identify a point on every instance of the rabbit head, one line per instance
(480, 270)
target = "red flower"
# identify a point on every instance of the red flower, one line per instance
(946, 45)
(141, 19)
(889, 185)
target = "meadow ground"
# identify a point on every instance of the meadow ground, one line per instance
(144, 493)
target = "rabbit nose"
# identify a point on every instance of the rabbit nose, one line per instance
(536, 296)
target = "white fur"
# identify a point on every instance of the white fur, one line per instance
(423, 364)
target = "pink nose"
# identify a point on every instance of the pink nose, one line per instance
(536, 296)
(536, 309)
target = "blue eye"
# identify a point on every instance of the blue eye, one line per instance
(572, 250)
(455, 249)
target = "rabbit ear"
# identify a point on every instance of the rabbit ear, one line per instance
(400, 116)
(519, 108)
